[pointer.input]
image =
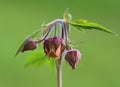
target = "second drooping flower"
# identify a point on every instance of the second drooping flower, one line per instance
(73, 57)
(54, 47)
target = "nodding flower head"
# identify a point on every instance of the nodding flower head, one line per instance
(29, 45)
(73, 57)
(54, 47)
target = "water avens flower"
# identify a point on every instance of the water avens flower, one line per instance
(54, 47)
(29, 45)
(73, 57)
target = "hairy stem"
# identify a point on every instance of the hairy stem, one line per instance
(59, 72)
(46, 35)
(65, 24)
(55, 34)
(50, 26)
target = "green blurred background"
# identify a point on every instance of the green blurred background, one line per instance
(100, 65)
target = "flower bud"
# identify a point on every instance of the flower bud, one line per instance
(54, 47)
(29, 45)
(73, 57)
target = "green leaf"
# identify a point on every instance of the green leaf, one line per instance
(67, 15)
(80, 29)
(45, 29)
(84, 24)
(52, 64)
(33, 35)
(36, 58)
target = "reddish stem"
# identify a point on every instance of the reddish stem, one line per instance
(59, 72)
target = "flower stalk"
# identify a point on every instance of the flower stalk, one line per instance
(59, 72)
